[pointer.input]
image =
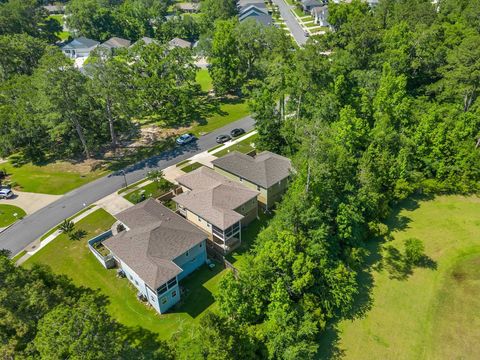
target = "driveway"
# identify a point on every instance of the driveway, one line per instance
(30, 202)
(35, 225)
(295, 29)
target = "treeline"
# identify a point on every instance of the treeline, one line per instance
(383, 107)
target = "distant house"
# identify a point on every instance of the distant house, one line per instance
(217, 205)
(157, 249)
(266, 173)
(115, 43)
(320, 15)
(308, 5)
(54, 9)
(180, 43)
(79, 48)
(146, 41)
(188, 7)
(254, 9)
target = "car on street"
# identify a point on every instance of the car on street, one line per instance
(185, 139)
(237, 132)
(223, 138)
(5, 193)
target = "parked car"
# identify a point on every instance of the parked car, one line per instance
(223, 138)
(5, 193)
(237, 132)
(185, 139)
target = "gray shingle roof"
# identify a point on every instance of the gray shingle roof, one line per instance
(156, 236)
(213, 197)
(264, 170)
(81, 43)
(177, 42)
(116, 42)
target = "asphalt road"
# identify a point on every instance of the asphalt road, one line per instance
(27, 230)
(292, 23)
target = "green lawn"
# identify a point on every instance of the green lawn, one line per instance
(9, 214)
(243, 146)
(150, 190)
(54, 178)
(191, 167)
(433, 313)
(204, 79)
(74, 259)
(229, 112)
(63, 35)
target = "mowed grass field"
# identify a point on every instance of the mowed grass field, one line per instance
(434, 313)
(55, 178)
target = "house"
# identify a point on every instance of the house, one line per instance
(156, 250)
(146, 41)
(54, 9)
(115, 43)
(308, 5)
(180, 43)
(188, 7)
(254, 9)
(217, 205)
(320, 15)
(79, 48)
(267, 173)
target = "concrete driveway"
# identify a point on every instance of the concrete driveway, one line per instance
(30, 202)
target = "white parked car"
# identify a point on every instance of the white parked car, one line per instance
(5, 193)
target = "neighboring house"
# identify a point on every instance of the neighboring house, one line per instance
(217, 205)
(266, 173)
(188, 7)
(320, 15)
(79, 48)
(308, 5)
(146, 40)
(54, 9)
(157, 249)
(254, 9)
(115, 43)
(177, 42)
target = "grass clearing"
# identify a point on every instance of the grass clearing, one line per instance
(191, 167)
(9, 214)
(244, 146)
(150, 190)
(181, 163)
(74, 259)
(204, 79)
(229, 112)
(433, 314)
(55, 178)
(63, 35)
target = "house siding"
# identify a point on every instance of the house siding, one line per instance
(197, 256)
(267, 197)
(198, 221)
(249, 210)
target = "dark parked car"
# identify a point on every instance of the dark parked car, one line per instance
(185, 139)
(237, 132)
(223, 139)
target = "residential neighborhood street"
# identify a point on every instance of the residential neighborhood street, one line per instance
(35, 225)
(295, 29)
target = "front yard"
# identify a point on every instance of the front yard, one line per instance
(244, 146)
(9, 214)
(74, 259)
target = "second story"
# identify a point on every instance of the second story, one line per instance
(266, 173)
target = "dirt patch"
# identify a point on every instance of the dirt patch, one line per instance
(459, 276)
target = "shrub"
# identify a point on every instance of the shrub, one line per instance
(414, 251)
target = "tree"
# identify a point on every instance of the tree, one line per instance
(414, 251)
(67, 226)
(224, 58)
(213, 10)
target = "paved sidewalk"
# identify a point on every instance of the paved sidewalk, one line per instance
(30, 202)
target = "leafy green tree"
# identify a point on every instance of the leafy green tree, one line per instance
(19, 54)
(414, 251)
(213, 10)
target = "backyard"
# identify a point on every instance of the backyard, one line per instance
(204, 79)
(63, 35)
(433, 312)
(79, 264)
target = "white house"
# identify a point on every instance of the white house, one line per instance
(320, 15)
(79, 48)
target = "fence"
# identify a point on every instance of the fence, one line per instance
(107, 261)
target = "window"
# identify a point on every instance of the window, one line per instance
(164, 300)
(243, 208)
(171, 283)
(241, 179)
(174, 293)
(131, 277)
(258, 188)
(187, 253)
(209, 225)
(162, 289)
(199, 218)
(201, 244)
(136, 282)
(153, 298)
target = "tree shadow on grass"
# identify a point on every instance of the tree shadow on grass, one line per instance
(375, 261)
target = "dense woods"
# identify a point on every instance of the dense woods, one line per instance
(383, 107)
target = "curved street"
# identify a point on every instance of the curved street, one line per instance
(24, 232)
